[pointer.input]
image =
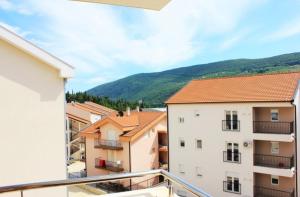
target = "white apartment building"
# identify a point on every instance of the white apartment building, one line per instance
(237, 136)
(32, 103)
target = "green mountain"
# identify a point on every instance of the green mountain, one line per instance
(155, 88)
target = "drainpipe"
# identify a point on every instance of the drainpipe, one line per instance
(130, 183)
(296, 151)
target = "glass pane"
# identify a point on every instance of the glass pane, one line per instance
(236, 185)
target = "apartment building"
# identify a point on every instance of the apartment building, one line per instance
(32, 115)
(129, 142)
(80, 116)
(237, 136)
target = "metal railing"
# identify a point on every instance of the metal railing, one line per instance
(108, 144)
(231, 187)
(230, 125)
(112, 177)
(263, 191)
(144, 184)
(273, 127)
(274, 161)
(115, 166)
(233, 157)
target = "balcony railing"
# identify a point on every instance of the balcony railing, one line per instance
(114, 166)
(112, 177)
(230, 125)
(108, 144)
(273, 161)
(263, 191)
(233, 157)
(231, 187)
(273, 127)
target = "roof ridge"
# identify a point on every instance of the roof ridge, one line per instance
(247, 75)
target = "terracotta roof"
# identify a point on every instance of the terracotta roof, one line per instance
(133, 124)
(75, 112)
(94, 108)
(279, 87)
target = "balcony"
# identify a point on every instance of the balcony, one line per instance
(232, 157)
(273, 161)
(114, 166)
(268, 192)
(108, 144)
(231, 188)
(230, 125)
(74, 184)
(270, 127)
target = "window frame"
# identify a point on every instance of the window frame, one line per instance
(274, 148)
(273, 177)
(196, 144)
(181, 140)
(271, 114)
(181, 169)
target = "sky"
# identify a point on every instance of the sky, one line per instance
(105, 42)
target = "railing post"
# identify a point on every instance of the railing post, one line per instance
(170, 187)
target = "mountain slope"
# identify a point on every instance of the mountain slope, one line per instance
(155, 88)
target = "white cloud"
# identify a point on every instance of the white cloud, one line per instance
(287, 30)
(97, 35)
(97, 39)
(234, 40)
(10, 6)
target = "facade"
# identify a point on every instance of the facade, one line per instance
(237, 136)
(133, 142)
(32, 113)
(80, 116)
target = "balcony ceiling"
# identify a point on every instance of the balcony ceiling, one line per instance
(146, 4)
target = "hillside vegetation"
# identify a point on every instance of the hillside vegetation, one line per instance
(155, 88)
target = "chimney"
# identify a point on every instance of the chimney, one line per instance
(128, 111)
(138, 108)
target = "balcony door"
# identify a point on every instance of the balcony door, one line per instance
(233, 184)
(231, 120)
(112, 138)
(111, 155)
(233, 152)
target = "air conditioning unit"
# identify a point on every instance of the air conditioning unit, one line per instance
(247, 143)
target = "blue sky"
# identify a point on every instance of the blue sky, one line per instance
(105, 43)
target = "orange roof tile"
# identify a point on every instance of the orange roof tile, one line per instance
(94, 108)
(279, 87)
(131, 125)
(73, 111)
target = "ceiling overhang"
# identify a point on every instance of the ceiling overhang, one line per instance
(146, 4)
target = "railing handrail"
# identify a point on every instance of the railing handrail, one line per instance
(278, 156)
(269, 121)
(111, 177)
(261, 187)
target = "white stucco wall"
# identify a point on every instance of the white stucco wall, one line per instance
(32, 141)
(209, 159)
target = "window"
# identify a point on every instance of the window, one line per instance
(181, 193)
(274, 115)
(232, 153)
(198, 144)
(181, 119)
(231, 120)
(232, 184)
(181, 143)
(274, 180)
(181, 168)
(198, 172)
(275, 148)
(197, 113)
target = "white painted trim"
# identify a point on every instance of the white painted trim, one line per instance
(66, 70)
